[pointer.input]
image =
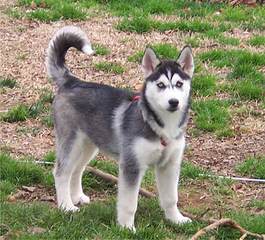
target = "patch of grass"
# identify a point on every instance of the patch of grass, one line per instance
(131, 8)
(234, 14)
(247, 82)
(107, 166)
(252, 167)
(47, 120)
(21, 112)
(185, 9)
(49, 157)
(254, 223)
(99, 216)
(163, 50)
(259, 204)
(228, 40)
(183, 25)
(190, 171)
(138, 24)
(22, 173)
(221, 188)
(143, 24)
(16, 114)
(109, 67)
(223, 58)
(50, 10)
(247, 90)
(258, 40)
(211, 115)
(137, 57)
(193, 42)
(204, 85)
(6, 188)
(101, 49)
(7, 82)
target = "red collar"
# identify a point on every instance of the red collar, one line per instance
(162, 141)
(136, 97)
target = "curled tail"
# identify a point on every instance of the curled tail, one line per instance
(65, 38)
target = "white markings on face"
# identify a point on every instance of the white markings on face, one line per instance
(176, 88)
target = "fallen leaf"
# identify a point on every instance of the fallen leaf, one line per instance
(29, 189)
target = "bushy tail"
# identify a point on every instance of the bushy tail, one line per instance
(65, 38)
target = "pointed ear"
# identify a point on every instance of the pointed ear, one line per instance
(185, 60)
(149, 62)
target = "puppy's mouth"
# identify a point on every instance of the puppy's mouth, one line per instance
(173, 109)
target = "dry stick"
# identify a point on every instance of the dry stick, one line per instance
(113, 179)
(226, 222)
(213, 222)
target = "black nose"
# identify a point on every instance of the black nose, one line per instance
(173, 102)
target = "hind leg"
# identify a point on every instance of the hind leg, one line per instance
(89, 151)
(69, 149)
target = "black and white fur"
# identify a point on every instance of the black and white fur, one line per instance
(151, 131)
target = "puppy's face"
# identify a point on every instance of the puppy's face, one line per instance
(168, 83)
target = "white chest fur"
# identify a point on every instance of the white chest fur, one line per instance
(153, 152)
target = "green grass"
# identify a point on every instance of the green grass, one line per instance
(7, 82)
(191, 171)
(259, 204)
(22, 112)
(138, 24)
(204, 85)
(258, 40)
(143, 24)
(100, 216)
(252, 167)
(163, 50)
(101, 50)
(247, 90)
(194, 42)
(246, 81)
(228, 40)
(16, 114)
(51, 10)
(211, 116)
(109, 67)
(49, 157)
(47, 119)
(22, 173)
(229, 58)
(101, 219)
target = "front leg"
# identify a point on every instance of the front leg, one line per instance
(130, 176)
(167, 177)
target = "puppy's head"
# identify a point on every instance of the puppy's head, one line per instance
(168, 83)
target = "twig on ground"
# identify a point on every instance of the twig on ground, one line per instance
(226, 222)
(113, 179)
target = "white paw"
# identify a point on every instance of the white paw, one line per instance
(129, 227)
(182, 220)
(83, 199)
(70, 208)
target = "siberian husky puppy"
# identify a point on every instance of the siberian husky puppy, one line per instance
(140, 130)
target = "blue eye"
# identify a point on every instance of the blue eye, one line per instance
(161, 85)
(179, 84)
